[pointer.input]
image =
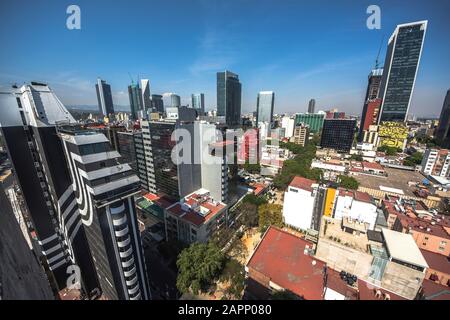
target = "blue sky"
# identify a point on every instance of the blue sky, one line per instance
(299, 49)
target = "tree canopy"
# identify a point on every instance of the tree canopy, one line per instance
(198, 266)
(270, 214)
(348, 182)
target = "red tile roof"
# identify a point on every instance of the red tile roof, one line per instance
(302, 183)
(280, 256)
(435, 291)
(372, 165)
(334, 282)
(436, 261)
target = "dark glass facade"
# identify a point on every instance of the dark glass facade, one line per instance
(157, 103)
(311, 106)
(136, 104)
(166, 172)
(229, 97)
(104, 98)
(400, 69)
(338, 134)
(443, 129)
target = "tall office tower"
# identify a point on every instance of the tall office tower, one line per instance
(229, 98)
(104, 189)
(171, 100)
(400, 70)
(104, 98)
(288, 124)
(136, 103)
(126, 148)
(157, 103)
(264, 107)
(198, 103)
(311, 106)
(162, 172)
(371, 108)
(208, 166)
(374, 82)
(28, 118)
(145, 89)
(338, 134)
(22, 277)
(443, 129)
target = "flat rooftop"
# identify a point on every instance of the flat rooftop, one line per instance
(397, 179)
(402, 247)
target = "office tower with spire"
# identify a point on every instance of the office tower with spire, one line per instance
(229, 98)
(104, 189)
(311, 106)
(264, 107)
(104, 98)
(28, 119)
(136, 103)
(198, 103)
(145, 89)
(400, 70)
(443, 130)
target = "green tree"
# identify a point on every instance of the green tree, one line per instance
(356, 157)
(414, 159)
(198, 266)
(390, 151)
(270, 214)
(253, 199)
(234, 273)
(348, 182)
(252, 168)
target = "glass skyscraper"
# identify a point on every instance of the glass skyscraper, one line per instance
(136, 103)
(229, 97)
(311, 106)
(443, 129)
(104, 97)
(198, 103)
(264, 106)
(314, 120)
(400, 70)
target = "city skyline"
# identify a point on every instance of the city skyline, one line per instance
(330, 64)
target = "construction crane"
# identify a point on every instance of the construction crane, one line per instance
(377, 64)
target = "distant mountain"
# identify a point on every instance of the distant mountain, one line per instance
(88, 107)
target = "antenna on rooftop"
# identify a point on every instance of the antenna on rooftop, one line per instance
(132, 81)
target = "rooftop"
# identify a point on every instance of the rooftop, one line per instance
(435, 291)
(197, 208)
(437, 261)
(302, 183)
(368, 291)
(396, 179)
(281, 257)
(402, 247)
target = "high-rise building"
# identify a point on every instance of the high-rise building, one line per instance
(145, 89)
(28, 118)
(126, 148)
(229, 97)
(369, 115)
(157, 103)
(198, 103)
(314, 121)
(171, 100)
(264, 107)
(443, 129)
(104, 98)
(373, 85)
(22, 275)
(311, 106)
(104, 190)
(288, 124)
(400, 70)
(338, 134)
(136, 103)
(300, 135)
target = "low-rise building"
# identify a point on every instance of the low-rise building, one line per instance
(438, 267)
(302, 208)
(195, 217)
